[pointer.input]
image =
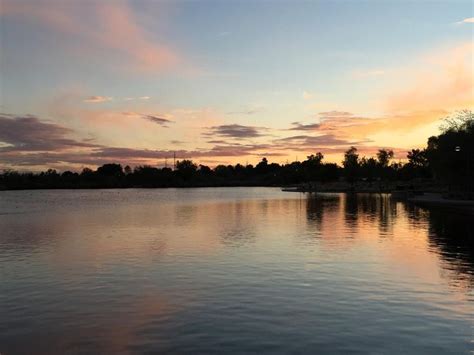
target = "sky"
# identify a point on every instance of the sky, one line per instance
(88, 82)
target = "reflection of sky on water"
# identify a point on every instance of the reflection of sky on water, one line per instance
(115, 271)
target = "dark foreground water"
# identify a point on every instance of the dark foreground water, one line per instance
(232, 270)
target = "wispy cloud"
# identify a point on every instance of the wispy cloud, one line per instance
(152, 118)
(466, 20)
(158, 120)
(297, 126)
(111, 26)
(307, 95)
(335, 113)
(98, 99)
(137, 98)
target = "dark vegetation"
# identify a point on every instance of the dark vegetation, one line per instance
(447, 160)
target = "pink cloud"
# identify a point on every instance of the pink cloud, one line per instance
(99, 25)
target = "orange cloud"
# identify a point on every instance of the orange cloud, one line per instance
(441, 83)
(109, 25)
(443, 80)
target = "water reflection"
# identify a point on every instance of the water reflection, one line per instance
(238, 270)
(450, 234)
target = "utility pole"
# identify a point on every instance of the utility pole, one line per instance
(174, 160)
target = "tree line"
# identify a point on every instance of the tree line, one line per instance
(447, 159)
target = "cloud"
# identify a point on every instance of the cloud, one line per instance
(439, 83)
(297, 126)
(323, 140)
(27, 133)
(137, 98)
(177, 142)
(98, 99)
(158, 120)
(466, 20)
(152, 118)
(235, 131)
(360, 127)
(32, 143)
(335, 113)
(443, 80)
(100, 25)
(307, 95)
(26, 141)
(328, 144)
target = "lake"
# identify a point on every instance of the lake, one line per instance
(232, 270)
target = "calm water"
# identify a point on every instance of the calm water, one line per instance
(231, 270)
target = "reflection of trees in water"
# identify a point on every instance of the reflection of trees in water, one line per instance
(351, 211)
(356, 208)
(317, 205)
(415, 214)
(451, 235)
(375, 208)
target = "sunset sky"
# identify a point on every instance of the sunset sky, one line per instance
(87, 82)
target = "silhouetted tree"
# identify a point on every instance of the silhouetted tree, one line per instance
(417, 158)
(114, 170)
(384, 156)
(368, 168)
(205, 170)
(262, 166)
(451, 154)
(351, 165)
(186, 169)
